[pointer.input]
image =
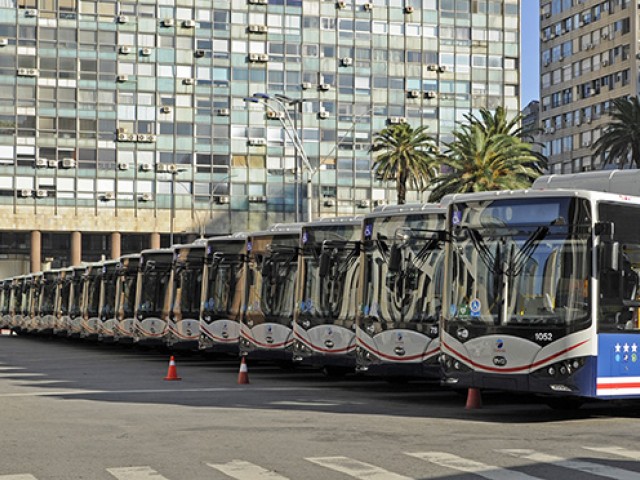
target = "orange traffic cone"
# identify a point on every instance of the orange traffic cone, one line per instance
(172, 373)
(243, 376)
(474, 399)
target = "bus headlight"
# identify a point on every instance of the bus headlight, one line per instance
(562, 369)
(451, 365)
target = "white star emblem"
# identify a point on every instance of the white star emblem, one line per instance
(626, 348)
(617, 348)
(634, 348)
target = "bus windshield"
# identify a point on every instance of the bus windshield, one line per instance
(127, 293)
(93, 294)
(520, 262)
(155, 281)
(48, 296)
(223, 293)
(76, 297)
(409, 293)
(188, 287)
(272, 281)
(108, 295)
(327, 296)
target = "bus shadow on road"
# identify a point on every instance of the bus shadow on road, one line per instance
(110, 373)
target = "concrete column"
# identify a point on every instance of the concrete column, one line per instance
(154, 240)
(76, 248)
(116, 239)
(36, 251)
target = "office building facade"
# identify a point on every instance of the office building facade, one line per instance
(589, 56)
(123, 121)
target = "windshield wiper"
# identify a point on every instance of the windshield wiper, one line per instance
(518, 261)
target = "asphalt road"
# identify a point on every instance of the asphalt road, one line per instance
(71, 410)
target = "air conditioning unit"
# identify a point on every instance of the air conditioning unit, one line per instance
(552, 130)
(199, 53)
(26, 192)
(605, 35)
(255, 57)
(259, 2)
(123, 166)
(188, 81)
(431, 94)
(167, 22)
(122, 19)
(364, 203)
(27, 72)
(442, 68)
(257, 142)
(341, 5)
(586, 144)
(146, 138)
(273, 115)
(323, 114)
(145, 52)
(257, 199)
(329, 202)
(258, 29)
(306, 85)
(68, 163)
(347, 61)
(397, 120)
(41, 193)
(368, 6)
(172, 168)
(165, 109)
(414, 93)
(605, 63)
(125, 50)
(223, 112)
(408, 9)
(189, 24)
(52, 164)
(223, 199)
(560, 58)
(31, 13)
(379, 203)
(41, 163)
(123, 137)
(145, 197)
(162, 168)
(106, 196)
(4, 42)
(122, 78)
(263, 57)
(122, 130)
(146, 167)
(325, 87)
(432, 67)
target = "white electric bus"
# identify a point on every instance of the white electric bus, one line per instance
(90, 325)
(400, 295)
(542, 288)
(126, 286)
(47, 302)
(5, 309)
(183, 328)
(74, 314)
(326, 304)
(152, 301)
(61, 307)
(270, 276)
(222, 293)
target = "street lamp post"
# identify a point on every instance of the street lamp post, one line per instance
(175, 171)
(291, 131)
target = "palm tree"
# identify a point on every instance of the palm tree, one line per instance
(620, 142)
(404, 154)
(487, 153)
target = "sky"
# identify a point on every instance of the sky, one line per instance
(530, 74)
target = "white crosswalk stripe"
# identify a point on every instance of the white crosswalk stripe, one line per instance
(581, 466)
(356, 469)
(470, 466)
(25, 476)
(135, 473)
(241, 470)
(621, 452)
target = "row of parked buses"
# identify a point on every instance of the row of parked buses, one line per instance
(529, 291)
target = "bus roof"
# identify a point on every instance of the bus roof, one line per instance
(333, 221)
(624, 182)
(393, 210)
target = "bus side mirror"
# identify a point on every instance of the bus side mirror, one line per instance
(324, 263)
(395, 259)
(610, 256)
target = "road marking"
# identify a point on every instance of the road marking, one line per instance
(356, 469)
(154, 391)
(470, 466)
(586, 467)
(135, 473)
(241, 470)
(25, 476)
(305, 404)
(18, 373)
(621, 452)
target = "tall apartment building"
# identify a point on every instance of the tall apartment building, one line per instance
(589, 55)
(114, 114)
